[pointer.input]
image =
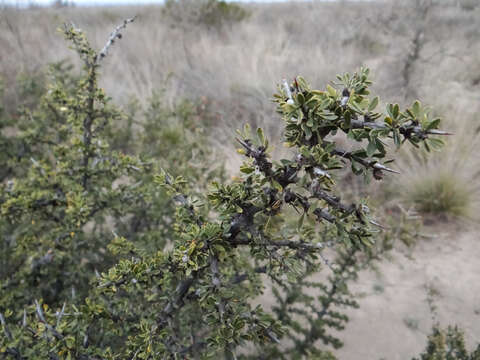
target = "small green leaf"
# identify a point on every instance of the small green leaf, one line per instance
(395, 111)
(302, 83)
(300, 99)
(427, 147)
(246, 169)
(261, 136)
(371, 148)
(331, 91)
(329, 116)
(373, 104)
(435, 144)
(357, 169)
(277, 186)
(396, 138)
(300, 221)
(433, 124)
(308, 132)
(390, 110)
(416, 108)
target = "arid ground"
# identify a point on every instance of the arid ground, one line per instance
(396, 302)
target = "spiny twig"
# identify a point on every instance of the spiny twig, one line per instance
(42, 319)
(113, 36)
(5, 328)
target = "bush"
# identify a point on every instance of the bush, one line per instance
(468, 5)
(102, 264)
(448, 344)
(58, 188)
(209, 13)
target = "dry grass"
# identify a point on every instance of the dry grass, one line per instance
(447, 181)
(238, 66)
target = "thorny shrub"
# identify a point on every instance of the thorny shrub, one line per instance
(101, 264)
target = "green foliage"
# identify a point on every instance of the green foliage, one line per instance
(315, 114)
(209, 13)
(117, 250)
(448, 344)
(67, 186)
(30, 88)
(71, 183)
(166, 138)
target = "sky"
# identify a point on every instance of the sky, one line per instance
(100, 2)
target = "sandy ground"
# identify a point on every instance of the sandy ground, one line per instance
(394, 318)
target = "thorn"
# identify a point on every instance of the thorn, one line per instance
(5, 328)
(383, 167)
(286, 87)
(373, 222)
(24, 320)
(319, 172)
(38, 308)
(85, 341)
(272, 337)
(438, 132)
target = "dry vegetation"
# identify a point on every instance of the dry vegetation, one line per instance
(416, 51)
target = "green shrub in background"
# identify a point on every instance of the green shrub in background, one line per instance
(210, 13)
(68, 184)
(101, 264)
(468, 5)
(448, 344)
(165, 138)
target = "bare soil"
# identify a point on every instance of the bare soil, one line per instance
(395, 317)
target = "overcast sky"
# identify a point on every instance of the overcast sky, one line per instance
(102, 2)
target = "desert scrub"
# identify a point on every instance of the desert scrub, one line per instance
(75, 170)
(83, 281)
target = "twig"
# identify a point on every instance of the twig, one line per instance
(113, 36)
(42, 319)
(60, 315)
(216, 282)
(242, 277)
(7, 332)
(286, 87)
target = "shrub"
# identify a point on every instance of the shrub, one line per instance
(62, 219)
(99, 266)
(209, 13)
(448, 344)
(468, 5)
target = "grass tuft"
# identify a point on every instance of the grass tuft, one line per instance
(441, 193)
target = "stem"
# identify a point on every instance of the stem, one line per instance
(87, 124)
